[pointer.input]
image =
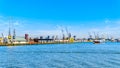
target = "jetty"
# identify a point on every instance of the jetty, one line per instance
(43, 41)
(26, 40)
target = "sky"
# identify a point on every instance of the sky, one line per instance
(49, 17)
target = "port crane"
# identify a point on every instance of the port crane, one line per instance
(2, 35)
(63, 34)
(69, 34)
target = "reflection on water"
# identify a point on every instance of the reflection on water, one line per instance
(10, 46)
(77, 55)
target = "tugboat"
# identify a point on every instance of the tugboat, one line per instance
(96, 41)
(99, 41)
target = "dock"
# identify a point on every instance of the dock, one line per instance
(37, 42)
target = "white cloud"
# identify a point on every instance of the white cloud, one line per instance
(118, 22)
(16, 23)
(111, 31)
(1, 17)
(4, 25)
(109, 27)
(107, 21)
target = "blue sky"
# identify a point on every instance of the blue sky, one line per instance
(48, 17)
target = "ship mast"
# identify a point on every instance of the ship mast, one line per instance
(68, 33)
(63, 34)
(95, 35)
(14, 34)
(9, 32)
(2, 35)
(90, 36)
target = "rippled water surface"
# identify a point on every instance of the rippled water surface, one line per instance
(77, 55)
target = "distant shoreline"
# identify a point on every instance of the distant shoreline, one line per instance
(24, 44)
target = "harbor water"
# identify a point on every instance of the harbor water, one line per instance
(75, 55)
